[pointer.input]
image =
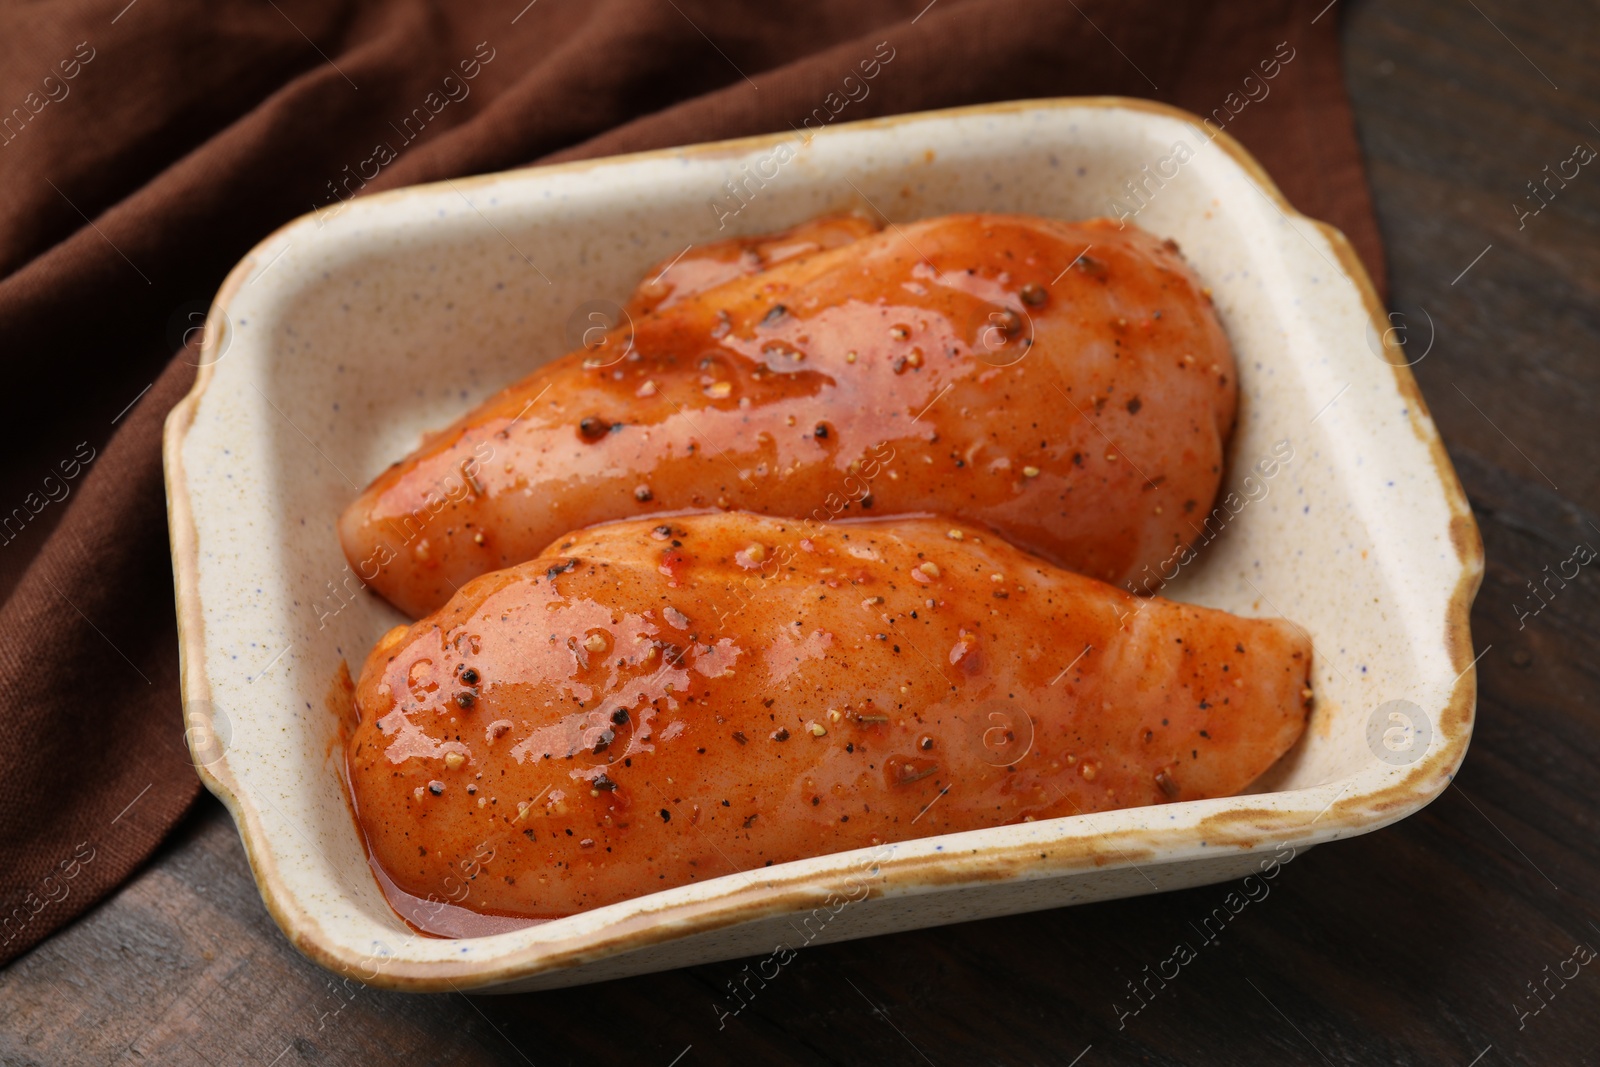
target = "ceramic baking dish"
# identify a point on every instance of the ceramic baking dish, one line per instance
(345, 335)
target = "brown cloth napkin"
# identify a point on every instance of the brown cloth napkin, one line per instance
(145, 146)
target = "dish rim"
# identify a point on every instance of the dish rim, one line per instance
(1243, 829)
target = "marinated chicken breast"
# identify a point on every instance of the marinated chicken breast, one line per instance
(1066, 385)
(654, 702)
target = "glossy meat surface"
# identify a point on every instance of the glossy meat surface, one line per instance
(1065, 384)
(652, 703)
(702, 267)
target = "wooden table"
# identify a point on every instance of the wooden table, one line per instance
(1413, 945)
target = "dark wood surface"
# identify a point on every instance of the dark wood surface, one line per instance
(1413, 945)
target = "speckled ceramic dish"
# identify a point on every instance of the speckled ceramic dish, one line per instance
(318, 338)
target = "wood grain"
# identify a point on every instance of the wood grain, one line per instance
(1413, 945)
